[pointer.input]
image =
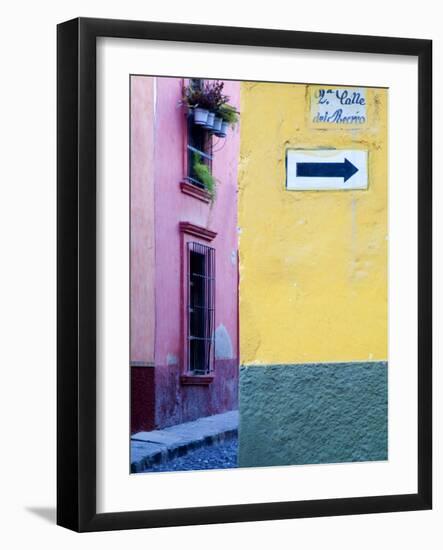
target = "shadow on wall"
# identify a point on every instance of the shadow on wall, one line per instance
(46, 513)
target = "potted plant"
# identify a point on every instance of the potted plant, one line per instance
(229, 117)
(204, 176)
(209, 124)
(210, 106)
(200, 116)
(214, 98)
(216, 127)
(194, 98)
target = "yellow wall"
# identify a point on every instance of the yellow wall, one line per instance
(313, 264)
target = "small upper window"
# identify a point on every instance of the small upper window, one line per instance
(199, 143)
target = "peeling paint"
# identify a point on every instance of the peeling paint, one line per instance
(223, 343)
(171, 359)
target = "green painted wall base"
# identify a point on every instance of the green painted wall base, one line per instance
(313, 413)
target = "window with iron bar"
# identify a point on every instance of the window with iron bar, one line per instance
(199, 141)
(200, 308)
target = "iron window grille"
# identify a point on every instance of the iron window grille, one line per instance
(200, 308)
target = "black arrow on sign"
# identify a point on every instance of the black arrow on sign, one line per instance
(343, 170)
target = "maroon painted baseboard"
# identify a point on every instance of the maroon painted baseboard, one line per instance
(142, 399)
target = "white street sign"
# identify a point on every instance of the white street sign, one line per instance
(337, 106)
(326, 169)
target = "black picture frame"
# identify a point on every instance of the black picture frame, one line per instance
(76, 267)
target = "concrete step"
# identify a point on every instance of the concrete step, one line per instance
(148, 448)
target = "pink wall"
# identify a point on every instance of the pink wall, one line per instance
(174, 402)
(142, 220)
(172, 206)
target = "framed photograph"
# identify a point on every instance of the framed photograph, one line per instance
(244, 274)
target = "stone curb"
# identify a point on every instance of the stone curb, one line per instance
(177, 441)
(164, 454)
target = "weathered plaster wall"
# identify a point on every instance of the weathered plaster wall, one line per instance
(313, 289)
(142, 220)
(313, 265)
(172, 206)
(313, 414)
(142, 299)
(175, 403)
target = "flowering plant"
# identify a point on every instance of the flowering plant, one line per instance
(208, 96)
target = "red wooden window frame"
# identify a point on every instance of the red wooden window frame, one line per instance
(200, 308)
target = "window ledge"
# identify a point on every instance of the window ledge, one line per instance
(194, 191)
(197, 231)
(196, 379)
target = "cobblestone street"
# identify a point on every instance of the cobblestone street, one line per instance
(217, 456)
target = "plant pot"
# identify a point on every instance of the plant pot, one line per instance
(209, 121)
(200, 116)
(222, 133)
(224, 128)
(217, 125)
